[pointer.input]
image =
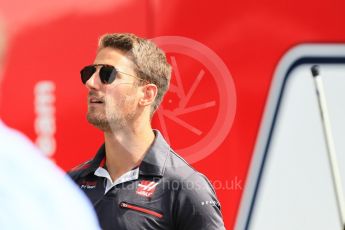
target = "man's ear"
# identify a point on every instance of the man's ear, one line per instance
(149, 93)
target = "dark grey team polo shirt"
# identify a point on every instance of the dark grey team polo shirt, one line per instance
(167, 193)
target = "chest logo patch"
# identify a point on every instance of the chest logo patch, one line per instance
(146, 188)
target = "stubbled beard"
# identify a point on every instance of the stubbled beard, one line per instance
(98, 121)
(109, 120)
(105, 122)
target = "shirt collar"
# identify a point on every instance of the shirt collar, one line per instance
(155, 159)
(153, 163)
(95, 162)
(128, 176)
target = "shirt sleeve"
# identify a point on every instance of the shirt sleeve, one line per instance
(197, 206)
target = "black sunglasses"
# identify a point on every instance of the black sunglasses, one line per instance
(107, 73)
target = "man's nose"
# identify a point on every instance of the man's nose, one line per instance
(94, 82)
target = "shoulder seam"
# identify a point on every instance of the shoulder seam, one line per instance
(181, 158)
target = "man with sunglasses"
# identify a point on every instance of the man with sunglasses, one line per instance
(136, 181)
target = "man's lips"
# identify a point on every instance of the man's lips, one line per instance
(96, 100)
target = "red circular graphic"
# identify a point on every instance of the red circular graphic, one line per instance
(221, 123)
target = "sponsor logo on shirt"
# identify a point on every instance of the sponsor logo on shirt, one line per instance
(146, 188)
(210, 202)
(88, 184)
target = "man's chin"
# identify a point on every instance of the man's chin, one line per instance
(98, 122)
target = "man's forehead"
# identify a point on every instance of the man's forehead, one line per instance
(112, 56)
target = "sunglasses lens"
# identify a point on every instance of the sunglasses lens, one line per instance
(107, 74)
(86, 73)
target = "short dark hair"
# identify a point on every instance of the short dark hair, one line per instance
(150, 62)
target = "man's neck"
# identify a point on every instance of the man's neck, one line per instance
(125, 149)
